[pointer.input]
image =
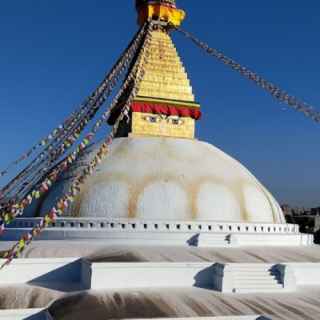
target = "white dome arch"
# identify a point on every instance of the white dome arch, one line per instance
(184, 179)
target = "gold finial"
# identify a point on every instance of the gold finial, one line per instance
(163, 10)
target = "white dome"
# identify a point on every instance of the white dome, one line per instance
(170, 179)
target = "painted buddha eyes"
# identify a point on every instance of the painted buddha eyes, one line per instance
(175, 120)
(152, 119)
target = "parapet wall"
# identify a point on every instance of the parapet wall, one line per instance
(163, 232)
(160, 225)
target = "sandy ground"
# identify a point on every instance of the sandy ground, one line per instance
(157, 303)
(185, 303)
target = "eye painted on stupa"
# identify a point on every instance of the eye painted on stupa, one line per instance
(175, 120)
(152, 119)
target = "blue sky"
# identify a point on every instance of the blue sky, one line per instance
(53, 53)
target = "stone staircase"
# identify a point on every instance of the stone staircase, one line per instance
(253, 278)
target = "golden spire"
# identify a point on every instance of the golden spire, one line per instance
(164, 105)
(164, 74)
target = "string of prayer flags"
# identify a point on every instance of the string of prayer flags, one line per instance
(48, 182)
(62, 204)
(67, 199)
(93, 103)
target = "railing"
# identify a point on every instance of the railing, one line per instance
(160, 226)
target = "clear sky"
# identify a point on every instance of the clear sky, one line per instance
(53, 53)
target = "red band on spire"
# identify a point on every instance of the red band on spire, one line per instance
(166, 109)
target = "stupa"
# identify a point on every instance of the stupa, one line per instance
(166, 225)
(175, 176)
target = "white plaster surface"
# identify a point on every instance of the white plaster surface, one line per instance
(100, 250)
(169, 302)
(257, 204)
(217, 198)
(117, 203)
(302, 274)
(175, 179)
(24, 314)
(146, 275)
(165, 232)
(157, 200)
(228, 278)
(23, 271)
(271, 240)
(217, 318)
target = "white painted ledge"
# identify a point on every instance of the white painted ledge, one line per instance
(134, 225)
(201, 240)
(291, 240)
(24, 314)
(66, 272)
(76, 274)
(254, 317)
(227, 278)
(144, 275)
(242, 318)
(165, 233)
(296, 275)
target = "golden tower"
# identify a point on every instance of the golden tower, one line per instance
(164, 105)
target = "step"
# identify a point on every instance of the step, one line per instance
(267, 270)
(251, 317)
(255, 290)
(213, 242)
(259, 285)
(254, 278)
(66, 271)
(262, 287)
(253, 272)
(261, 280)
(254, 275)
(251, 266)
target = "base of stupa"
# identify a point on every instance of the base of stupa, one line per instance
(104, 272)
(78, 274)
(165, 233)
(59, 274)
